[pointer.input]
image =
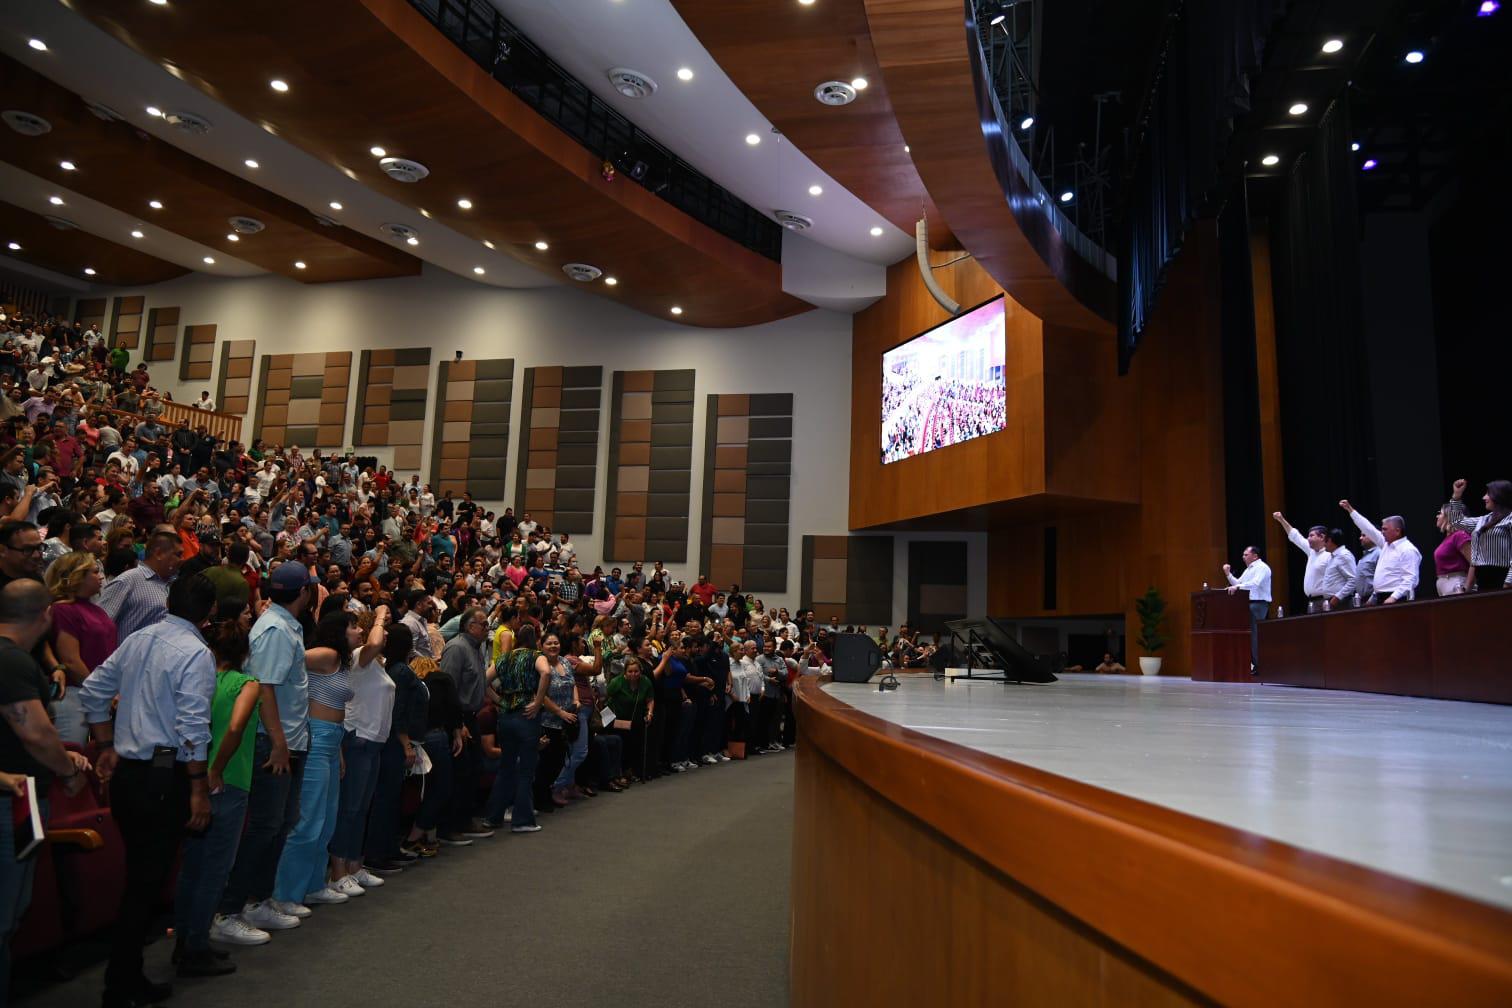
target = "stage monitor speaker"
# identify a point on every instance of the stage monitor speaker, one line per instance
(856, 657)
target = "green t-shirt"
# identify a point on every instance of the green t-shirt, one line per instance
(230, 584)
(119, 357)
(228, 686)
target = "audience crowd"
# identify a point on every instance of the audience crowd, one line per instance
(920, 415)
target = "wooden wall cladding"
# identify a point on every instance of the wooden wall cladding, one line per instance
(162, 334)
(650, 466)
(90, 311)
(126, 326)
(391, 392)
(936, 583)
(234, 392)
(849, 578)
(198, 355)
(748, 472)
(470, 433)
(304, 399)
(558, 468)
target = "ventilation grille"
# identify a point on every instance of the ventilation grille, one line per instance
(25, 123)
(835, 93)
(188, 122)
(632, 83)
(793, 221)
(245, 225)
(403, 170)
(401, 231)
(582, 272)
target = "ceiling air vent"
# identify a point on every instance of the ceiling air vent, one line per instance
(793, 221)
(632, 83)
(188, 122)
(835, 93)
(61, 223)
(582, 272)
(245, 225)
(401, 231)
(102, 111)
(401, 170)
(25, 123)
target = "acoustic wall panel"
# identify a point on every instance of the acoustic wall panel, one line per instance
(234, 392)
(90, 311)
(391, 394)
(849, 578)
(470, 432)
(650, 466)
(198, 355)
(748, 462)
(936, 584)
(558, 467)
(304, 398)
(162, 334)
(126, 326)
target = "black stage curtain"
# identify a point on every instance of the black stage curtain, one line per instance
(1244, 477)
(1326, 428)
(1200, 83)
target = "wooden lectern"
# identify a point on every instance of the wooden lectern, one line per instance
(1221, 636)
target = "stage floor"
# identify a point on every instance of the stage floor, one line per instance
(1416, 788)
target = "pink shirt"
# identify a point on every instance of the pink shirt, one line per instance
(1448, 559)
(88, 624)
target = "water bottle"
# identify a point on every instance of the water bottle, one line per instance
(1280, 612)
(1204, 586)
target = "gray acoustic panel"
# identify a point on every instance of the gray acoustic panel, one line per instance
(650, 465)
(559, 441)
(747, 460)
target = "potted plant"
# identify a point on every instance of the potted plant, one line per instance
(1151, 608)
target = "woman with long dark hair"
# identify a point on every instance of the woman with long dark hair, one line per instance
(1490, 534)
(407, 729)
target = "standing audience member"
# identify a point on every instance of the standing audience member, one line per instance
(83, 635)
(139, 597)
(1490, 534)
(369, 714)
(520, 687)
(1396, 572)
(1451, 559)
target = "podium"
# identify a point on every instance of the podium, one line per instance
(1221, 636)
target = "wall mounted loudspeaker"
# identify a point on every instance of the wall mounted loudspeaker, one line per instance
(856, 657)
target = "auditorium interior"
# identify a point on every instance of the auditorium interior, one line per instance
(1015, 445)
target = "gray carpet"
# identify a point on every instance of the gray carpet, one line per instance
(673, 893)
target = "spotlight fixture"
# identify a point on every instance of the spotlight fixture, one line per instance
(1067, 196)
(859, 83)
(233, 238)
(1270, 160)
(37, 44)
(478, 270)
(1355, 146)
(464, 204)
(209, 260)
(1487, 8)
(1333, 45)
(815, 190)
(684, 74)
(1026, 122)
(155, 204)
(425, 213)
(158, 3)
(906, 148)
(377, 152)
(1414, 56)
(876, 232)
(805, 3)
(154, 111)
(488, 244)
(13, 246)
(299, 264)
(55, 200)
(998, 19)
(137, 234)
(1297, 108)
(676, 310)
(540, 246)
(752, 139)
(334, 205)
(278, 85)
(89, 271)
(250, 163)
(412, 240)
(1369, 164)
(610, 281)
(68, 166)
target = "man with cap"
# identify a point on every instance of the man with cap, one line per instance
(277, 662)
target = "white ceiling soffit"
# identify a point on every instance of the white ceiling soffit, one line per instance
(29, 192)
(829, 279)
(58, 283)
(85, 60)
(705, 120)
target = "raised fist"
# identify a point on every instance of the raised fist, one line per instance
(1459, 487)
(1345, 505)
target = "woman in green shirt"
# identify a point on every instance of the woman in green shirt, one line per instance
(209, 856)
(630, 697)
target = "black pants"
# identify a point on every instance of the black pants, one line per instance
(552, 759)
(150, 808)
(635, 741)
(1489, 578)
(789, 720)
(767, 721)
(467, 772)
(382, 838)
(664, 727)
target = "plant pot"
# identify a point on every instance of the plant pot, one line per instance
(1149, 666)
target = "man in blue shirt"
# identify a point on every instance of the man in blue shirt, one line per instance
(139, 597)
(153, 757)
(277, 662)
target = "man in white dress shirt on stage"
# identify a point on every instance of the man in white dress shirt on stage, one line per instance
(1256, 579)
(1330, 572)
(1400, 563)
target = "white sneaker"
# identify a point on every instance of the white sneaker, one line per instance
(326, 895)
(707, 760)
(292, 909)
(367, 879)
(232, 930)
(721, 757)
(533, 828)
(264, 915)
(509, 814)
(679, 768)
(349, 887)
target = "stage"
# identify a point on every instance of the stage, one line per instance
(1420, 789)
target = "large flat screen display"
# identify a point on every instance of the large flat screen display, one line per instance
(945, 386)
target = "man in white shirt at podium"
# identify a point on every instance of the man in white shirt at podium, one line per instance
(1257, 580)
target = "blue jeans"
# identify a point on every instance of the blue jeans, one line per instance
(437, 785)
(206, 864)
(519, 739)
(383, 814)
(356, 795)
(576, 752)
(15, 888)
(68, 718)
(302, 868)
(272, 810)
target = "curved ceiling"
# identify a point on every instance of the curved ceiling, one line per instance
(70, 252)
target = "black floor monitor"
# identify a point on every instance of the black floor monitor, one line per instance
(856, 657)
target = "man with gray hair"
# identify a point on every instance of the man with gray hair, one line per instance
(1400, 563)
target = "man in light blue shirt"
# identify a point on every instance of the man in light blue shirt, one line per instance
(139, 597)
(1256, 579)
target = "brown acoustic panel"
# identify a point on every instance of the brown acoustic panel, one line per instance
(559, 446)
(748, 452)
(126, 322)
(195, 360)
(651, 454)
(162, 334)
(90, 311)
(287, 377)
(471, 424)
(386, 378)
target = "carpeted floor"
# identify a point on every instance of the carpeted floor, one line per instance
(674, 893)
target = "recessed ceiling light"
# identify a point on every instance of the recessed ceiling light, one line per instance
(13, 246)
(676, 310)
(876, 232)
(610, 281)
(478, 270)
(1369, 164)
(250, 163)
(1415, 56)
(816, 190)
(232, 237)
(753, 139)
(488, 244)
(1067, 196)
(464, 204)
(334, 205)
(1333, 45)
(55, 200)
(1298, 108)
(684, 74)
(154, 111)
(1270, 159)
(1355, 146)
(278, 85)
(137, 234)
(425, 213)
(89, 271)
(299, 264)
(68, 166)
(906, 148)
(209, 260)
(540, 246)
(155, 204)
(377, 152)
(806, 3)
(412, 240)
(38, 45)
(158, 3)
(859, 83)
(1026, 122)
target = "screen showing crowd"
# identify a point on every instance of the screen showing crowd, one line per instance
(945, 386)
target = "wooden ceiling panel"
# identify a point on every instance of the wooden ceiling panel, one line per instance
(374, 72)
(777, 52)
(124, 167)
(69, 252)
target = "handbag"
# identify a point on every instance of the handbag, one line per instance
(422, 765)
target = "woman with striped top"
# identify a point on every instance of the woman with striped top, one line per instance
(1490, 534)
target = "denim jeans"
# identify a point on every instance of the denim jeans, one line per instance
(15, 887)
(519, 740)
(437, 785)
(576, 752)
(302, 868)
(68, 718)
(684, 727)
(356, 795)
(206, 863)
(272, 811)
(382, 842)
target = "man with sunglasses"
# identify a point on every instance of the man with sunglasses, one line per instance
(21, 560)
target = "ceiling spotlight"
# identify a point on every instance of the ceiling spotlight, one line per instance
(158, 3)
(1414, 56)
(299, 264)
(154, 111)
(610, 281)
(1067, 196)
(1026, 122)
(232, 237)
(806, 3)
(412, 240)
(540, 246)
(876, 232)
(13, 246)
(1487, 8)
(684, 74)
(68, 166)
(209, 260)
(250, 163)
(859, 83)
(1355, 146)
(488, 244)
(377, 152)
(1369, 164)
(89, 271)
(38, 45)
(137, 234)
(55, 200)
(425, 213)
(1270, 160)
(1298, 108)
(278, 85)
(998, 19)
(905, 148)
(676, 310)
(478, 270)
(815, 190)
(334, 205)
(753, 139)
(155, 204)
(464, 204)
(1333, 45)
